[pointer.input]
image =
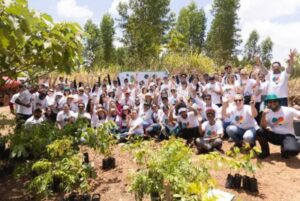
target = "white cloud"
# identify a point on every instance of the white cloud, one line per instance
(263, 15)
(70, 9)
(114, 5)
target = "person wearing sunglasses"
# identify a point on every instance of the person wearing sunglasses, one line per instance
(277, 128)
(243, 126)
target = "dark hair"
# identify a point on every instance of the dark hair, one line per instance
(206, 95)
(276, 62)
(38, 110)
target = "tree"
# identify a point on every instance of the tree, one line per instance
(223, 37)
(144, 25)
(31, 42)
(191, 25)
(251, 47)
(93, 45)
(266, 51)
(107, 32)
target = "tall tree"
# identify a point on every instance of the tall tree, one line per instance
(223, 37)
(251, 47)
(266, 51)
(107, 32)
(191, 24)
(93, 45)
(144, 24)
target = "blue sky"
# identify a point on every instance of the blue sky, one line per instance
(279, 19)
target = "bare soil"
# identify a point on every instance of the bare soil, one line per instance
(279, 179)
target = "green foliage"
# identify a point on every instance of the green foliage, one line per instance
(171, 165)
(251, 47)
(223, 38)
(191, 26)
(107, 31)
(266, 52)
(189, 62)
(144, 25)
(93, 51)
(31, 42)
(100, 138)
(68, 170)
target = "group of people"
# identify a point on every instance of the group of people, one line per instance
(203, 109)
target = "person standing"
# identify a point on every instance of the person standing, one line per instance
(278, 78)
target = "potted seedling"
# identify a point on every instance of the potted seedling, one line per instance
(102, 141)
(250, 183)
(233, 181)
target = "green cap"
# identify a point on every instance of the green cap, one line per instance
(271, 97)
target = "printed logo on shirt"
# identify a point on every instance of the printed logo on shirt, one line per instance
(239, 119)
(211, 133)
(276, 79)
(278, 121)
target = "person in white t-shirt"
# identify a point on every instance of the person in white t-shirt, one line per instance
(278, 79)
(135, 125)
(82, 113)
(65, 117)
(211, 133)
(277, 128)
(24, 102)
(243, 125)
(215, 90)
(188, 123)
(35, 119)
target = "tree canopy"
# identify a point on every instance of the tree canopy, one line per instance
(31, 42)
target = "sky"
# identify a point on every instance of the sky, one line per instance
(279, 19)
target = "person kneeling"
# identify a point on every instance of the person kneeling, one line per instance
(277, 128)
(211, 132)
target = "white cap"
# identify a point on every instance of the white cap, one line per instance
(183, 109)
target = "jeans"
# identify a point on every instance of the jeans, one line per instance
(238, 134)
(288, 142)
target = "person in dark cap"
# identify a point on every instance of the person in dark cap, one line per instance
(277, 128)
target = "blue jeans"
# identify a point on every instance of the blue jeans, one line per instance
(238, 134)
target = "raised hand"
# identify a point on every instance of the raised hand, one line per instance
(292, 55)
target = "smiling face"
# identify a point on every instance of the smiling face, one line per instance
(276, 67)
(239, 101)
(273, 105)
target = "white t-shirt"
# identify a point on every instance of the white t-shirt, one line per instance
(138, 123)
(96, 122)
(281, 122)
(243, 118)
(64, 117)
(278, 84)
(229, 91)
(33, 121)
(84, 115)
(211, 88)
(26, 98)
(190, 122)
(249, 86)
(147, 116)
(13, 100)
(212, 131)
(38, 103)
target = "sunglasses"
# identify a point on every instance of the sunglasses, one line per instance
(238, 100)
(272, 101)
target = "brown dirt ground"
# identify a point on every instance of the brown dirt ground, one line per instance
(279, 179)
